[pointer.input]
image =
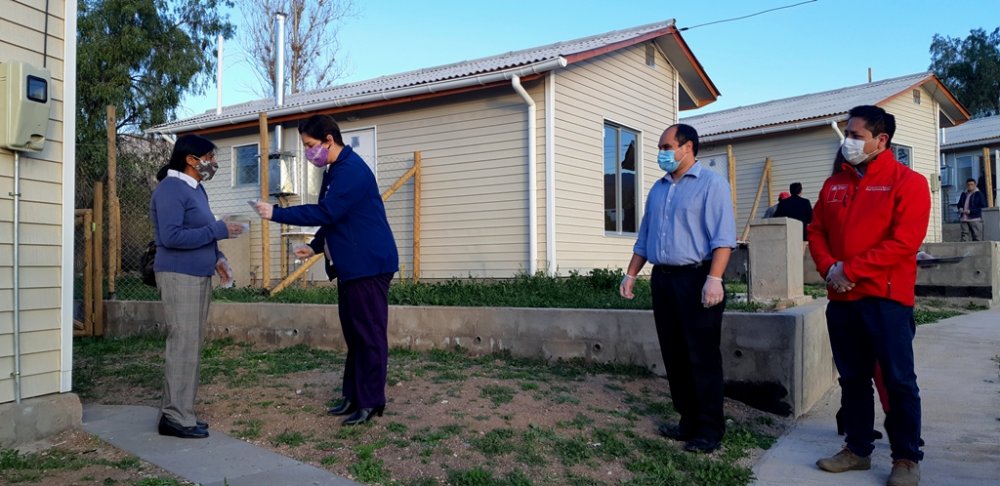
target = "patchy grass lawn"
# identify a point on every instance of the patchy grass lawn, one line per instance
(452, 418)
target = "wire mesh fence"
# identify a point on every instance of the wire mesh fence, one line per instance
(120, 247)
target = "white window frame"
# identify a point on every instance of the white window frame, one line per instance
(236, 164)
(896, 148)
(638, 181)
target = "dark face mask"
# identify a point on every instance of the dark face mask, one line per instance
(206, 168)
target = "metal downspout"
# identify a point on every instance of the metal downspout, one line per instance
(16, 194)
(515, 82)
(550, 174)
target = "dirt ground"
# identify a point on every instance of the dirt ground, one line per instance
(450, 419)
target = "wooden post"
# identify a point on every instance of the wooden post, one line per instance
(732, 175)
(770, 191)
(98, 259)
(416, 216)
(756, 200)
(988, 173)
(114, 215)
(265, 231)
(88, 271)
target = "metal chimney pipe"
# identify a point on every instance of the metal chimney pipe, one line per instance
(218, 81)
(279, 74)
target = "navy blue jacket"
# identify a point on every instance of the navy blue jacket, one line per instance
(976, 205)
(351, 218)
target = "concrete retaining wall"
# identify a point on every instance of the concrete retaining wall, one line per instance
(776, 361)
(975, 279)
(38, 418)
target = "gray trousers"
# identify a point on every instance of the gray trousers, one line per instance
(973, 229)
(185, 307)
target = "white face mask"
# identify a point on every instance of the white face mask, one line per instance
(854, 151)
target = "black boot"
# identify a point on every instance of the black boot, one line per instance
(363, 415)
(343, 408)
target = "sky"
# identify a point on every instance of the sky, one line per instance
(808, 48)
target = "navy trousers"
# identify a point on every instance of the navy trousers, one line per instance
(862, 332)
(364, 318)
(689, 336)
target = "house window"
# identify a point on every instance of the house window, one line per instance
(246, 166)
(621, 149)
(650, 55)
(903, 154)
(916, 96)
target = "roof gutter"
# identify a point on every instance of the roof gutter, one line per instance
(515, 83)
(773, 129)
(973, 143)
(275, 112)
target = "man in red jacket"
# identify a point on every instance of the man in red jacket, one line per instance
(867, 227)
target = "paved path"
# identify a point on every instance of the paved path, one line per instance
(216, 461)
(960, 392)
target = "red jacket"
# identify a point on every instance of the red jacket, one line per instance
(875, 225)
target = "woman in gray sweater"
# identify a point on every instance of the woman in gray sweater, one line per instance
(187, 254)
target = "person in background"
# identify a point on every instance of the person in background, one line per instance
(867, 227)
(688, 232)
(781, 197)
(796, 207)
(187, 255)
(970, 206)
(355, 236)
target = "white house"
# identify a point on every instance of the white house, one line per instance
(37, 145)
(801, 136)
(962, 159)
(533, 160)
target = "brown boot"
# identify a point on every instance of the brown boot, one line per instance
(904, 473)
(845, 460)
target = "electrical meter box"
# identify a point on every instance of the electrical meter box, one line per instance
(24, 106)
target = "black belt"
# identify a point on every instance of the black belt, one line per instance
(682, 268)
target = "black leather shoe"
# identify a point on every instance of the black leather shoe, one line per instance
(202, 425)
(363, 415)
(343, 408)
(703, 446)
(169, 427)
(674, 432)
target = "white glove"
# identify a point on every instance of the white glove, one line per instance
(836, 278)
(235, 227)
(625, 287)
(302, 251)
(711, 292)
(264, 209)
(225, 273)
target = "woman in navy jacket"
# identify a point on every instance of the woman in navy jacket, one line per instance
(355, 236)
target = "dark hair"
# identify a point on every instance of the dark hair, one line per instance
(319, 126)
(876, 119)
(685, 134)
(838, 162)
(970, 180)
(795, 188)
(162, 173)
(188, 145)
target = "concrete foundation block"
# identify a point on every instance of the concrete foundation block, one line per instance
(776, 260)
(38, 418)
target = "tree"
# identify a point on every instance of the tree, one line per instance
(970, 67)
(310, 37)
(141, 56)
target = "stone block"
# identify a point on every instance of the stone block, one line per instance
(38, 418)
(776, 260)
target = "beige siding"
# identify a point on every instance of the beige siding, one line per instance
(916, 127)
(474, 209)
(618, 87)
(804, 156)
(41, 231)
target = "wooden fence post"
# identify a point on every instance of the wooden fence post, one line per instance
(98, 259)
(417, 160)
(114, 207)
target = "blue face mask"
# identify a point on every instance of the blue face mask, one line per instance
(666, 160)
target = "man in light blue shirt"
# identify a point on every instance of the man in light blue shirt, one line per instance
(688, 231)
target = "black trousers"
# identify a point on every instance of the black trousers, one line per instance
(689, 336)
(364, 318)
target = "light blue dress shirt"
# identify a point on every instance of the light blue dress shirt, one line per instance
(686, 220)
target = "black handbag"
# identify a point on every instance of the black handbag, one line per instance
(146, 264)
